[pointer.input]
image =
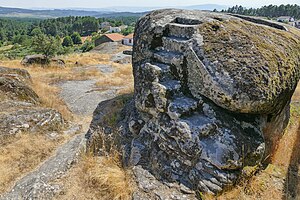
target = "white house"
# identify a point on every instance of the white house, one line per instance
(128, 40)
(114, 29)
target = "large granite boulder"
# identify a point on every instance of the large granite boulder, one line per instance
(212, 94)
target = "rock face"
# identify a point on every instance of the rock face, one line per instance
(41, 60)
(212, 94)
(19, 106)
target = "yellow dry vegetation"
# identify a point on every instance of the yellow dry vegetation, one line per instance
(45, 78)
(92, 178)
(100, 178)
(122, 78)
(21, 153)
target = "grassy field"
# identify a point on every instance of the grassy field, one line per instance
(21, 154)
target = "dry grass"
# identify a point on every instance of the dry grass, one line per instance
(86, 59)
(296, 96)
(22, 153)
(97, 178)
(91, 178)
(44, 78)
(121, 78)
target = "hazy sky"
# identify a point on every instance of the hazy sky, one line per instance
(135, 3)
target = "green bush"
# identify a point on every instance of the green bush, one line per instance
(87, 46)
(76, 38)
(46, 45)
(67, 42)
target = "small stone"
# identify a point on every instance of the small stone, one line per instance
(25, 126)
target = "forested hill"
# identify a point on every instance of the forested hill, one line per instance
(17, 30)
(18, 12)
(54, 13)
(267, 11)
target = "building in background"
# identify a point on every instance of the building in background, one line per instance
(128, 40)
(122, 27)
(113, 37)
(114, 29)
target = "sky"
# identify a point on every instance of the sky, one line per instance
(135, 3)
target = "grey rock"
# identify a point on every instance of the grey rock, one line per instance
(212, 94)
(30, 120)
(121, 58)
(105, 68)
(41, 60)
(16, 73)
(82, 97)
(19, 106)
(151, 188)
(127, 52)
(37, 184)
(14, 89)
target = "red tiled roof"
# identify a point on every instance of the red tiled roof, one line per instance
(130, 36)
(115, 36)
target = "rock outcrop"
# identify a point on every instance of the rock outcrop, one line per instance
(212, 94)
(20, 109)
(41, 60)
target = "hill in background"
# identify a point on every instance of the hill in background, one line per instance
(100, 12)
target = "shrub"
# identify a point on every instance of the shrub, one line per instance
(67, 42)
(87, 46)
(76, 38)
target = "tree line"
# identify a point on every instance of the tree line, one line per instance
(19, 31)
(270, 11)
(53, 36)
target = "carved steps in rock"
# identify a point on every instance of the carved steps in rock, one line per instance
(172, 43)
(168, 57)
(181, 30)
(181, 105)
(163, 70)
(172, 87)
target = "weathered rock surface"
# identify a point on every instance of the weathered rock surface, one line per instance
(30, 119)
(41, 60)
(82, 97)
(19, 106)
(212, 94)
(122, 58)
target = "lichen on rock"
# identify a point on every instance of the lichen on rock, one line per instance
(20, 109)
(212, 94)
